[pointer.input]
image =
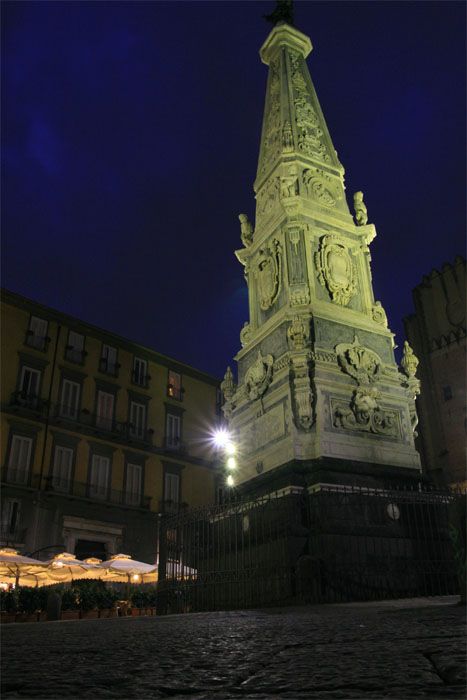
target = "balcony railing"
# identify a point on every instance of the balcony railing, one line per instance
(16, 475)
(23, 399)
(96, 493)
(52, 484)
(76, 355)
(141, 379)
(39, 342)
(59, 413)
(107, 367)
(175, 445)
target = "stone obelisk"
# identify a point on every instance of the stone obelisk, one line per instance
(319, 397)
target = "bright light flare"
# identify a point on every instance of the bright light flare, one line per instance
(221, 438)
(135, 578)
(230, 448)
(231, 463)
(230, 480)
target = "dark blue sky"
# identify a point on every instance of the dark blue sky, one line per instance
(130, 143)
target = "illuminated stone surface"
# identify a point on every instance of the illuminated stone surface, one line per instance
(316, 348)
(391, 650)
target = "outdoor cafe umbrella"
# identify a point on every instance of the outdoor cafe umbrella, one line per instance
(64, 567)
(122, 568)
(20, 570)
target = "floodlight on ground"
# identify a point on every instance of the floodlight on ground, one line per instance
(221, 438)
(230, 448)
(231, 463)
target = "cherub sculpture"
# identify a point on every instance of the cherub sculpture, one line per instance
(246, 228)
(361, 214)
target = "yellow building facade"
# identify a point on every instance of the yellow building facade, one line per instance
(100, 436)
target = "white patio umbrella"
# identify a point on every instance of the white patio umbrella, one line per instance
(20, 570)
(122, 568)
(64, 567)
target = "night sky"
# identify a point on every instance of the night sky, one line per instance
(130, 143)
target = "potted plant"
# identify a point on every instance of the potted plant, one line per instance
(70, 604)
(8, 605)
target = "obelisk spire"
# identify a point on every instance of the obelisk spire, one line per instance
(294, 130)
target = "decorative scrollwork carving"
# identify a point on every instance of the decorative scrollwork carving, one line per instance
(269, 274)
(378, 314)
(298, 334)
(258, 376)
(245, 334)
(336, 270)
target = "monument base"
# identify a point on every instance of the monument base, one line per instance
(326, 470)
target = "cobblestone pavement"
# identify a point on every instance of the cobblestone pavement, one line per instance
(398, 649)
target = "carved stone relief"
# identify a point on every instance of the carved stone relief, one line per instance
(268, 196)
(309, 133)
(258, 376)
(302, 391)
(272, 139)
(359, 362)
(299, 295)
(268, 271)
(321, 186)
(296, 256)
(336, 269)
(363, 413)
(289, 183)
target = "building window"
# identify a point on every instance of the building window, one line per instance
(69, 400)
(137, 420)
(36, 336)
(11, 510)
(62, 468)
(19, 461)
(447, 393)
(171, 488)
(134, 483)
(105, 410)
(174, 386)
(173, 431)
(108, 361)
(99, 477)
(140, 372)
(29, 383)
(74, 351)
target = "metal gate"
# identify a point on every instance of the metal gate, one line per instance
(324, 545)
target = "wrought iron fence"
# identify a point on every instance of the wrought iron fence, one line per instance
(326, 544)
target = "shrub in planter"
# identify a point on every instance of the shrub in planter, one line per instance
(29, 600)
(69, 599)
(9, 601)
(105, 597)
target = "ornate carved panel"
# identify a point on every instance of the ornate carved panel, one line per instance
(336, 269)
(268, 271)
